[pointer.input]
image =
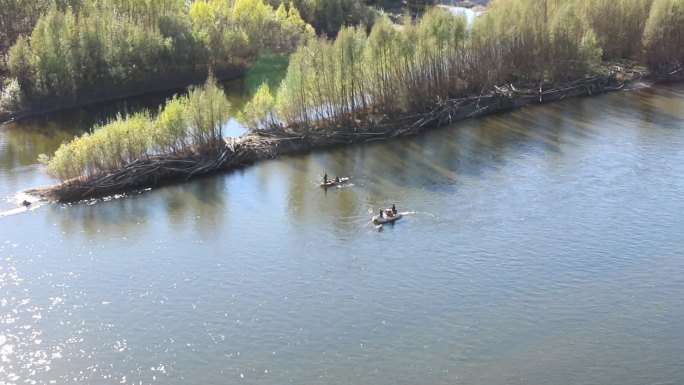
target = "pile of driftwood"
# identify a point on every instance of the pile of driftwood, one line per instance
(516, 95)
(279, 141)
(151, 171)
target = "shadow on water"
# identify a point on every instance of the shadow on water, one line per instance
(110, 218)
(23, 140)
(440, 160)
(445, 158)
(306, 201)
(21, 143)
(42, 134)
(198, 206)
(202, 202)
(81, 119)
(658, 106)
(474, 147)
(435, 161)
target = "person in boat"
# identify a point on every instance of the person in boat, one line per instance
(392, 211)
(380, 212)
(325, 178)
(26, 203)
(337, 179)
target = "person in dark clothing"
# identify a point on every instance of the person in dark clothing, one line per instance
(380, 212)
(394, 209)
(325, 178)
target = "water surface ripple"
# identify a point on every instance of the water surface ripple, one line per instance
(542, 246)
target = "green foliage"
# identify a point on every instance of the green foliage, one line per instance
(20, 63)
(109, 147)
(207, 111)
(68, 54)
(517, 40)
(664, 35)
(329, 16)
(170, 128)
(51, 44)
(398, 70)
(79, 48)
(382, 53)
(390, 70)
(17, 18)
(189, 124)
(11, 97)
(260, 110)
(590, 52)
(618, 24)
(268, 69)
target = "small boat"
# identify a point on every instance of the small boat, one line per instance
(386, 219)
(335, 182)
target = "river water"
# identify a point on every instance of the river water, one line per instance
(541, 246)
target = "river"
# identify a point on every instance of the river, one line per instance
(541, 246)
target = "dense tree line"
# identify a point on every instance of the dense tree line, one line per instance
(187, 125)
(664, 35)
(17, 17)
(83, 46)
(400, 70)
(71, 49)
(329, 16)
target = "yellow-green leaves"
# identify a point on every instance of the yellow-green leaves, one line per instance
(388, 71)
(259, 112)
(188, 124)
(207, 111)
(664, 34)
(132, 45)
(400, 69)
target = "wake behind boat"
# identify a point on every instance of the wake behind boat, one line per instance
(28, 203)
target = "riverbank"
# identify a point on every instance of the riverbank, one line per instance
(281, 141)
